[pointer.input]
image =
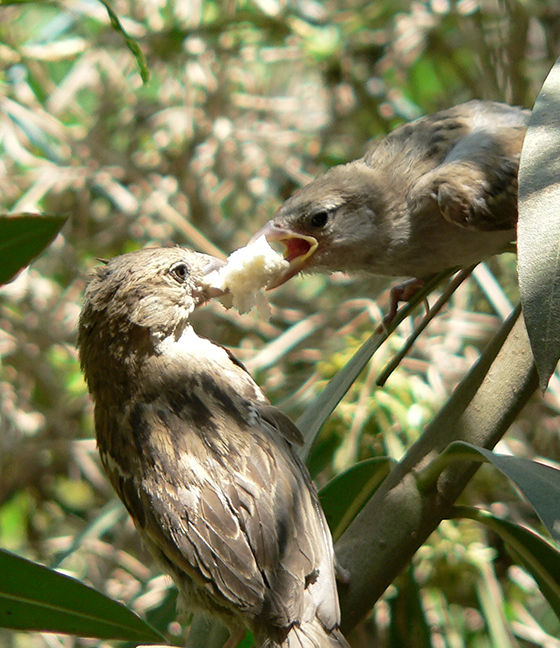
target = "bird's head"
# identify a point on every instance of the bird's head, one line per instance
(151, 287)
(323, 226)
(137, 297)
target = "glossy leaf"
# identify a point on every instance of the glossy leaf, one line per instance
(538, 556)
(345, 495)
(539, 228)
(33, 597)
(539, 483)
(22, 238)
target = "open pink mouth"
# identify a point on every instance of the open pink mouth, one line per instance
(298, 250)
(295, 248)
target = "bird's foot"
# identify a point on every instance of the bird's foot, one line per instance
(402, 292)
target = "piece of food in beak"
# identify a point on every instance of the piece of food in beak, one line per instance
(245, 273)
(298, 250)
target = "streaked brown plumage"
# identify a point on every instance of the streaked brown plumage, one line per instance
(437, 193)
(203, 463)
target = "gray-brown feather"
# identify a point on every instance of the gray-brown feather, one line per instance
(203, 462)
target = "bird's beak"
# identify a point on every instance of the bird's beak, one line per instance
(212, 264)
(298, 250)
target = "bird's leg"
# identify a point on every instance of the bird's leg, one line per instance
(400, 293)
(430, 314)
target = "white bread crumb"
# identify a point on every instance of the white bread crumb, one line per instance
(247, 271)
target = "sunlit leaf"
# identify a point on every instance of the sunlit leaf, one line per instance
(539, 228)
(492, 603)
(33, 597)
(130, 42)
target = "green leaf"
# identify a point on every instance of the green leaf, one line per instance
(539, 557)
(539, 483)
(22, 238)
(33, 597)
(130, 42)
(539, 227)
(345, 495)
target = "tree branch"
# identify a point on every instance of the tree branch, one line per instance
(397, 520)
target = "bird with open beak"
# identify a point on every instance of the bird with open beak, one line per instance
(203, 463)
(435, 194)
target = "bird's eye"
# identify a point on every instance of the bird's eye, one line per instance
(319, 219)
(180, 271)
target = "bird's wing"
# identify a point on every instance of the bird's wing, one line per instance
(226, 502)
(474, 183)
(183, 498)
(302, 585)
(461, 162)
(282, 423)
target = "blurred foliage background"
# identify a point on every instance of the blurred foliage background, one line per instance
(247, 100)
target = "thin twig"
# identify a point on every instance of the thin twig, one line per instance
(432, 312)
